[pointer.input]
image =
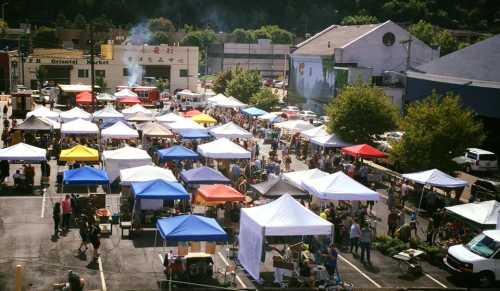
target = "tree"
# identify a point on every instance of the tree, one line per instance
(361, 111)
(161, 24)
(221, 81)
(3, 26)
(199, 38)
(446, 42)
(422, 30)
(45, 37)
(436, 130)
(265, 99)
(79, 22)
(281, 36)
(241, 35)
(159, 37)
(61, 21)
(244, 85)
(262, 34)
(359, 20)
(102, 23)
(101, 82)
(41, 75)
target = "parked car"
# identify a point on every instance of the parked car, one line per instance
(484, 189)
(479, 259)
(480, 160)
(280, 84)
(293, 109)
(306, 114)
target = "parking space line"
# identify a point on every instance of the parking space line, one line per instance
(361, 272)
(101, 272)
(236, 275)
(435, 280)
(44, 198)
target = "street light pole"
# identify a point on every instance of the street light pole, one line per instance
(3, 10)
(92, 73)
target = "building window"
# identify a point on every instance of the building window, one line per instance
(389, 38)
(183, 73)
(125, 72)
(83, 73)
(100, 73)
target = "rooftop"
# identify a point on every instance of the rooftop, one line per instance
(57, 53)
(335, 36)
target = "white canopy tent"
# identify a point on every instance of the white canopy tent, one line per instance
(297, 125)
(119, 130)
(125, 93)
(75, 113)
(230, 102)
(284, 216)
(42, 111)
(271, 117)
(435, 178)
(135, 109)
(184, 124)
(314, 132)
(339, 186)
(145, 173)
(169, 118)
(124, 158)
(223, 149)
(483, 213)
(296, 178)
(219, 98)
(329, 141)
(230, 130)
(55, 124)
(105, 97)
(23, 152)
(107, 113)
(79, 126)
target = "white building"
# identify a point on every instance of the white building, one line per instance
(267, 58)
(117, 65)
(374, 48)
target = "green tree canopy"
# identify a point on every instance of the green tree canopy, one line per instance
(199, 38)
(221, 81)
(45, 37)
(244, 85)
(161, 24)
(361, 111)
(436, 130)
(159, 37)
(265, 99)
(243, 36)
(79, 21)
(61, 21)
(446, 42)
(102, 23)
(423, 30)
(3, 26)
(359, 20)
(431, 35)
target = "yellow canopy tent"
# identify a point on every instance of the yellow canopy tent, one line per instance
(204, 118)
(79, 153)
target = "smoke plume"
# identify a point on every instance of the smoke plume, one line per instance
(138, 35)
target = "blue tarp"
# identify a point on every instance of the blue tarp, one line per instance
(204, 175)
(253, 111)
(85, 176)
(177, 153)
(190, 228)
(159, 189)
(194, 134)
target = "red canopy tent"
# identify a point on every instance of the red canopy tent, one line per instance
(363, 151)
(129, 100)
(84, 98)
(217, 194)
(191, 113)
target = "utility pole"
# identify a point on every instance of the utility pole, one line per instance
(408, 51)
(92, 63)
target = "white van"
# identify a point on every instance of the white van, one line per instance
(480, 258)
(480, 160)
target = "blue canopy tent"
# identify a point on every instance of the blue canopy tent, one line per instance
(253, 111)
(177, 153)
(85, 176)
(190, 228)
(204, 175)
(194, 134)
(159, 189)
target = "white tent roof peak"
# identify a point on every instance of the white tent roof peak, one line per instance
(169, 117)
(136, 108)
(296, 178)
(107, 112)
(23, 152)
(286, 216)
(74, 113)
(119, 130)
(315, 132)
(145, 173)
(485, 213)
(435, 178)
(331, 140)
(230, 130)
(42, 111)
(125, 93)
(223, 148)
(126, 153)
(297, 125)
(339, 186)
(79, 126)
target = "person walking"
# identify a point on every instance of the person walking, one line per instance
(84, 235)
(392, 222)
(94, 233)
(56, 216)
(66, 211)
(366, 243)
(354, 234)
(5, 110)
(331, 260)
